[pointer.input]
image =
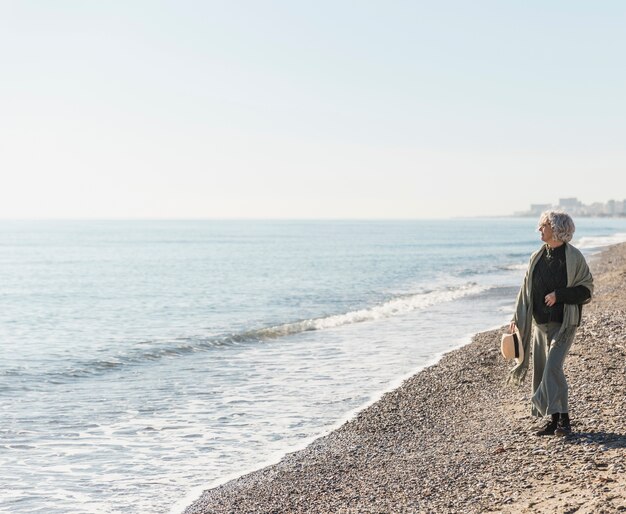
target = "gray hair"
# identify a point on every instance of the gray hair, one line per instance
(563, 227)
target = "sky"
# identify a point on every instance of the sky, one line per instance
(290, 109)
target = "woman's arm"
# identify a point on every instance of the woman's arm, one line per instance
(575, 295)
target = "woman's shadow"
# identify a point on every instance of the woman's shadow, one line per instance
(606, 439)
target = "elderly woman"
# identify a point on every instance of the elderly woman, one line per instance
(547, 312)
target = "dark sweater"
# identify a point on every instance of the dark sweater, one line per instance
(550, 275)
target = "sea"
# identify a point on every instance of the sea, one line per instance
(144, 361)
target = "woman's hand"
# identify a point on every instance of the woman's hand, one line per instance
(512, 327)
(550, 299)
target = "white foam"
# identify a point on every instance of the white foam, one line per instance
(595, 242)
(516, 267)
(394, 307)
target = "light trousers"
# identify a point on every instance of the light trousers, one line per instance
(550, 390)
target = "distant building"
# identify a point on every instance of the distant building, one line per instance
(537, 208)
(612, 208)
(569, 204)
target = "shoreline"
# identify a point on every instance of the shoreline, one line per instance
(194, 495)
(416, 449)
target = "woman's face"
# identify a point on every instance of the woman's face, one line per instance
(546, 232)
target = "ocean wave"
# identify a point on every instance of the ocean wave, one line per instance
(394, 307)
(148, 351)
(514, 267)
(594, 242)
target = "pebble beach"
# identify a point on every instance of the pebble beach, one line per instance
(455, 438)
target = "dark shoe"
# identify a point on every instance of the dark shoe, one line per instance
(563, 426)
(550, 428)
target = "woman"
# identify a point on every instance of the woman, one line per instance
(548, 311)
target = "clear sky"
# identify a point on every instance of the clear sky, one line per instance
(293, 109)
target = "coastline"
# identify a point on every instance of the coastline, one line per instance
(453, 438)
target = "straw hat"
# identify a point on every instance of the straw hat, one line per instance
(512, 347)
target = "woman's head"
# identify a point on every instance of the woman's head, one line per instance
(559, 223)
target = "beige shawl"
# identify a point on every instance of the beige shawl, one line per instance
(578, 274)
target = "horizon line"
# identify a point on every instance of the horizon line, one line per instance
(265, 219)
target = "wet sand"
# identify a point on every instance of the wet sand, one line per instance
(454, 438)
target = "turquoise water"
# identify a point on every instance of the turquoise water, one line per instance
(142, 360)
